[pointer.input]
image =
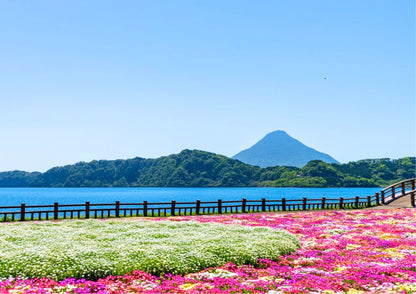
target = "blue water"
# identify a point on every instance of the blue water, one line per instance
(46, 196)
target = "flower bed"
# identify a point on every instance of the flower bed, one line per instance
(93, 249)
(368, 251)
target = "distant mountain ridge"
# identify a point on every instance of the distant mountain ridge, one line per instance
(195, 168)
(279, 149)
(189, 168)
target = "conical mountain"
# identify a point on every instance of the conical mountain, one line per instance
(278, 148)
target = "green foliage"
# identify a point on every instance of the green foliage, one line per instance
(193, 168)
(323, 170)
(93, 249)
(376, 172)
(19, 179)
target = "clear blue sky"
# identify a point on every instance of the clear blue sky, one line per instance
(84, 80)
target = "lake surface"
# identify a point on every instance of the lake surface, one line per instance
(45, 196)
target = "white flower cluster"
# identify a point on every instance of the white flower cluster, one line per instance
(92, 249)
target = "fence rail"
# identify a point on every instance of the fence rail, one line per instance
(398, 190)
(87, 210)
(160, 209)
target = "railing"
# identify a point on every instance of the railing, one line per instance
(146, 209)
(398, 190)
(87, 210)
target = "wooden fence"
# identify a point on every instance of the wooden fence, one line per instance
(160, 209)
(173, 208)
(398, 190)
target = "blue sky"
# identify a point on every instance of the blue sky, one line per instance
(84, 80)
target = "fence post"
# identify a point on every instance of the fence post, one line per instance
(198, 206)
(117, 208)
(22, 212)
(323, 203)
(341, 203)
(263, 204)
(368, 201)
(304, 203)
(412, 199)
(173, 207)
(357, 199)
(403, 188)
(244, 203)
(413, 184)
(87, 209)
(284, 204)
(383, 199)
(55, 210)
(145, 208)
(377, 199)
(219, 206)
(393, 192)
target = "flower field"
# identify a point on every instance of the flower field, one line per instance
(361, 251)
(93, 249)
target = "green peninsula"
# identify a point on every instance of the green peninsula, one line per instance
(194, 168)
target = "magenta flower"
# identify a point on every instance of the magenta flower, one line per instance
(362, 251)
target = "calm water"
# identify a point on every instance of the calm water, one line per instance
(38, 196)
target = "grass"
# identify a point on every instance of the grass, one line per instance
(93, 249)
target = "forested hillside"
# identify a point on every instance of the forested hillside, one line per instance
(363, 173)
(193, 168)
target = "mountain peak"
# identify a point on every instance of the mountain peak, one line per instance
(279, 148)
(277, 132)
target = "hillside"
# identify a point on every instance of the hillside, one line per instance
(194, 168)
(186, 169)
(278, 148)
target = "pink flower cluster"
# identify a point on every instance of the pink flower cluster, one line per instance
(362, 251)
